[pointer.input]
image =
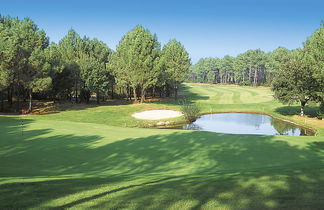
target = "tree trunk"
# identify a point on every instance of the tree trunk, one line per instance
(9, 96)
(30, 109)
(176, 92)
(153, 92)
(135, 95)
(130, 93)
(112, 91)
(18, 96)
(167, 91)
(142, 95)
(98, 97)
(76, 92)
(302, 108)
(255, 81)
(2, 102)
(250, 74)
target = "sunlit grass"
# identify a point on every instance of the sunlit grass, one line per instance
(79, 159)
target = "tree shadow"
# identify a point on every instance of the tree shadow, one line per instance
(310, 111)
(53, 108)
(187, 169)
(185, 92)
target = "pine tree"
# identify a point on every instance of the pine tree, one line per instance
(175, 62)
(135, 61)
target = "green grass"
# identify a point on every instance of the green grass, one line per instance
(80, 159)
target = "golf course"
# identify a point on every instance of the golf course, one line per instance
(98, 156)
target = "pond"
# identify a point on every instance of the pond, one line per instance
(246, 123)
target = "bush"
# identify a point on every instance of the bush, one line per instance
(190, 110)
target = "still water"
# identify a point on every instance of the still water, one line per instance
(246, 123)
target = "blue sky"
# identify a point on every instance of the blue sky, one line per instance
(206, 28)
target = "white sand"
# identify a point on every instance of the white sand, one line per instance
(156, 114)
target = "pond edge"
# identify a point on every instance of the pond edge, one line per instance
(171, 124)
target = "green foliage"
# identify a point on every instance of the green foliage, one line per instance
(191, 111)
(70, 50)
(23, 60)
(320, 113)
(275, 60)
(94, 74)
(21, 47)
(211, 77)
(245, 83)
(135, 60)
(295, 82)
(175, 63)
(41, 84)
(4, 78)
(248, 67)
(84, 62)
(314, 59)
(78, 67)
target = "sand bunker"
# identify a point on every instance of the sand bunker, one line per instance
(156, 114)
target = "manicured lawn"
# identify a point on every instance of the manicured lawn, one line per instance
(81, 159)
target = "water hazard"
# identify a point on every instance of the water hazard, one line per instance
(246, 123)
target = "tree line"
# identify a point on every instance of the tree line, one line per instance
(253, 67)
(77, 68)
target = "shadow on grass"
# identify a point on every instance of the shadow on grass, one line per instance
(184, 93)
(310, 111)
(178, 170)
(49, 107)
(52, 108)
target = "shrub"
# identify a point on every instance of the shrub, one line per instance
(190, 110)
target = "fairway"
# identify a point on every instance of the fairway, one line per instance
(231, 94)
(85, 158)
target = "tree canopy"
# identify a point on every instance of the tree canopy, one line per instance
(135, 59)
(175, 62)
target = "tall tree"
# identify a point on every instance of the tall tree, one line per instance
(295, 82)
(314, 59)
(275, 60)
(38, 77)
(134, 61)
(94, 74)
(70, 48)
(176, 62)
(24, 43)
(4, 82)
(61, 81)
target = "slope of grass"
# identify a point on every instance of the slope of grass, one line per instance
(58, 161)
(211, 98)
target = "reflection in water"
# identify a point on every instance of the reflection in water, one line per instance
(245, 123)
(283, 127)
(192, 126)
